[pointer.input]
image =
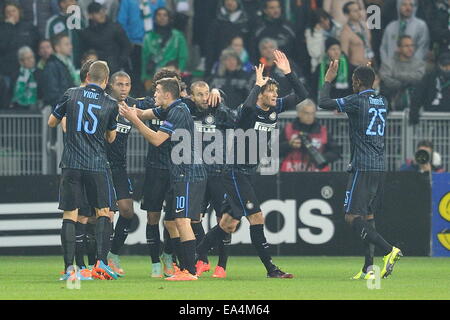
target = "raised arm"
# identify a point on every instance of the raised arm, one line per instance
(260, 81)
(300, 92)
(325, 102)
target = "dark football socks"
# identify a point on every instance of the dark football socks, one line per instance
(369, 249)
(188, 248)
(120, 234)
(102, 237)
(80, 233)
(211, 239)
(91, 244)
(199, 233)
(167, 247)
(68, 236)
(153, 241)
(223, 251)
(365, 231)
(260, 243)
(176, 245)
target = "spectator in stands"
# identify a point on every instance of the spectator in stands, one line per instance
(89, 55)
(137, 18)
(440, 24)
(59, 73)
(273, 25)
(237, 44)
(107, 38)
(163, 45)
(14, 34)
(25, 96)
(321, 27)
(407, 24)
(266, 48)
(355, 37)
(433, 92)
(37, 12)
(45, 50)
(335, 9)
(305, 133)
(428, 161)
(231, 20)
(111, 8)
(342, 86)
(231, 79)
(401, 75)
(59, 24)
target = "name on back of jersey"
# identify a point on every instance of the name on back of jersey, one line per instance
(261, 126)
(123, 128)
(376, 101)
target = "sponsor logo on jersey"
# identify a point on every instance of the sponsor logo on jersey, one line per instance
(205, 128)
(123, 128)
(261, 126)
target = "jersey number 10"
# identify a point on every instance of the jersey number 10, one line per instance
(80, 126)
(380, 130)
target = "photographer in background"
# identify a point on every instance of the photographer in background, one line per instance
(305, 144)
(425, 159)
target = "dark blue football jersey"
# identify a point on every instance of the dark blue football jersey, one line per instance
(211, 124)
(117, 151)
(90, 112)
(367, 114)
(178, 120)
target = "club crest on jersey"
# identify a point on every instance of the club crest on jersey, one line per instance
(249, 205)
(273, 116)
(210, 119)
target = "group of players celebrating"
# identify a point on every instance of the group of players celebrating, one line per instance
(94, 179)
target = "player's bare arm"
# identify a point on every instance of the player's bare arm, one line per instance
(53, 121)
(154, 137)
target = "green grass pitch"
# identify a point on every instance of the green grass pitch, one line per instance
(315, 278)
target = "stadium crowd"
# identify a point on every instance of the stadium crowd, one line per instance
(43, 45)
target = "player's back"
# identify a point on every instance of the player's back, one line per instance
(90, 113)
(367, 113)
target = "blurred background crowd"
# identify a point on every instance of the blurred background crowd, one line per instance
(43, 45)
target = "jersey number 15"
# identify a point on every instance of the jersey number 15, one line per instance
(377, 113)
(80, 126)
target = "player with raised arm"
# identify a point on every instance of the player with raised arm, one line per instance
(91, 122)
(188, 175)
(366, 112)
(259, 113)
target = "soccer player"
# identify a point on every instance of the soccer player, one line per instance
(363, 198)
(210, 120)
(156, 190)
(120, 87)
(91, 119)
(188, 175)
(260, 113)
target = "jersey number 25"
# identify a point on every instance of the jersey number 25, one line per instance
(380, 130)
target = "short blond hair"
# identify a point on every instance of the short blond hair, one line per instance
(99, 72)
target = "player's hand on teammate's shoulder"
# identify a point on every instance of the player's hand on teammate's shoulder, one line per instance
(214, 98)
(282, 62)
(332, 71)
(260, 79)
